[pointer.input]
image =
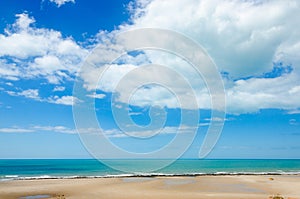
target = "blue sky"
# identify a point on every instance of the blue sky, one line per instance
(44, 44)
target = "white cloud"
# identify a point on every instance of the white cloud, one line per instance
(148, 133)
(295, 111)
(30, 93)
(294, 90)
(244, 38)
(23, 21)
(64, 100)
(9, 71)
(58, 129)
(260, 93)
(125, 78)
(38, 52)
(15, 130)
(59, 88)
(61, 2)
(97, 96)
(112, 133)
(9, 84)
(34, 94)
(218, 119)
(116, 133)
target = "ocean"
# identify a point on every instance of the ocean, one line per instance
(90, 168)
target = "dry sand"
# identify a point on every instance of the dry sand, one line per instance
(221, 187)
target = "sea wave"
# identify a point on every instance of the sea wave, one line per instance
(16, 177)
(11, 176)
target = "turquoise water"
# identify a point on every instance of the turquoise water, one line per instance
(35, 169)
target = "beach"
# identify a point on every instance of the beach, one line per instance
(210, 186)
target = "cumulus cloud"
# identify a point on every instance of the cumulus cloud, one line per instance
(246, 40)
(64, 100)
(61, 2)
(30, 52)
(261, 93)
(243, 37)
(128, 73)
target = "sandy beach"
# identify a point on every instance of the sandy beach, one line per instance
(225, 187)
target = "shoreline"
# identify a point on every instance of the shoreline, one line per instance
(204, 186)
(46, 177)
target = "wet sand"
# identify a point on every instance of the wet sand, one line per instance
(222, 187)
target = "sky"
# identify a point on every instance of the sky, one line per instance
(47, 50)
